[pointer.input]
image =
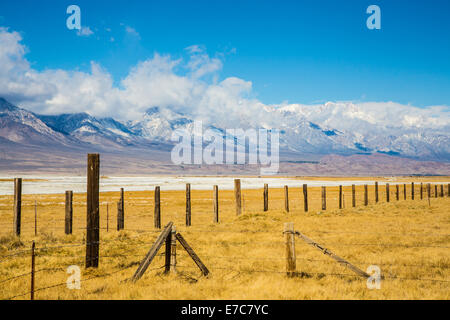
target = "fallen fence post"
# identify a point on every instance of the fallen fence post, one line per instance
(290, 249)
(353, 196)
(216, 203)
(17, 205)
(266, 197)
(192, 254)
(305, 197)
(237, 196)
(188, 204)
(69, 212)
(286, 198)
(157, 212)
(93, 217)
(324, 198)
(366, 195)
(332, 255)
(152, 252)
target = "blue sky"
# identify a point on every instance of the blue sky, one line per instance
(295, 51)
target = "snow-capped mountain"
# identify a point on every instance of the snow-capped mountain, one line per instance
(333, 128)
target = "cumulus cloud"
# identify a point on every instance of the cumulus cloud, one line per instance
(187, 85)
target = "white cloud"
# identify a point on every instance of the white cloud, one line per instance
(85, 32)
(132, 32)
(185, 85)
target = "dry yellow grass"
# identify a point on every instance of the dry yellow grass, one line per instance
(409, 240)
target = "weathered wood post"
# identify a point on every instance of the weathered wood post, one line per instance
(421, 191)
(122, 210)
(353, 195)
(286, 198)
(69, 212)
(387, 192)
(107, 217)
(397, 192)
(171, 251)
(92, 212)
(376, 191)
(435, 191)
(340, 196)
(216, 203)
(157, 212)
(237, 196)
(404, 191)
(412, 190)
(290, 249)
(442, 190)
(35, 218)
(324, 198)
(188, 204)
(33, 257)
(305, 197)
(429, 190)
(17, 205)
(366, 195)
(448, 190)
(266, 197)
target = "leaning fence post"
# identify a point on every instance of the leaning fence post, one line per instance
(93, 217)
(266, 197)
(340, 196)
(324, 198)
(216, 203)
(376, 191)
(305, 197)
(17, 205)
(33, 246)
(412, 190)
(188, 204)
(286, 198)
(69, 212)
(290, 248)
(237, 196)
(157, 213)
(353, 196)
(366, 195)
(387, 192)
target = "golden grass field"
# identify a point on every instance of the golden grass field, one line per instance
(409, 240)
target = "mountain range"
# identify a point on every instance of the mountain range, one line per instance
(307, 135)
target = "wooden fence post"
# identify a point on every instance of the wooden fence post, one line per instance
(387, 193)
(171, 251)
(366, 195)
(119, 215)
(216, 203)
(376, 191)
(33, 246)
(286, 198)
(448, 190)
(290, 249)
(340, 196)
(324, 198)
(397, 192)
(266, 197)
(17, 205)
(69, 212)
(157, 212)
(412, 190)
(421, 191)
(305, 197)
(35, 218)
(435, 191)
(188, 204)
(442, 190)
(237, 196)
(122, 209)
(429, 190)
(93, 217)
(404, 191)
(107, 217)
(353, 196)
